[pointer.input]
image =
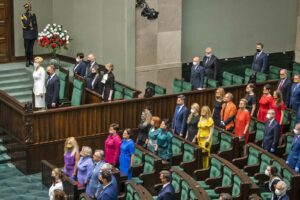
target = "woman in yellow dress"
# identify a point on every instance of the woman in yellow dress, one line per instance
(205, 132)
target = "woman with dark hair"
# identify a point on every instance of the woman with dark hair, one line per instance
(80, 66)
(251, 98)
(112, 145)
(265, 103)
(164, 140)
(144, 127)
(93, 82)
(278, 106)
(271, 172)
(153, 133)
(127, 150)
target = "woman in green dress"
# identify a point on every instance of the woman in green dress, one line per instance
(153, 133)
(164, 141)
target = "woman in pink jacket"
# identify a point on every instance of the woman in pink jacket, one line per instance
(112, 145)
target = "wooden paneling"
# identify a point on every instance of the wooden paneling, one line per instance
(5, 30)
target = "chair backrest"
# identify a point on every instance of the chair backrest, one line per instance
(138, 157)
(184, 190)
(260, 127)
(278, 166)
(289, 141)
(186, 86)
(227, 78)
(287, 177)
(176, 146)
(188, 153)
(177, 86)
(78, 87)
(215, 168)
(261, 77)
(274, 72)
(119, 91)
(149, 164)
(227, 177)
(226, 142)
(236, 80)
(265, 161)
(128, 93)
(286, 117)
(293, 120)
(176, 182)
(215, 136)
(129, 192)
(64, 80)
(159, 90)
(253, 156)
(212, 83)
(236, 188)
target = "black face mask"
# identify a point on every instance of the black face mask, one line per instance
(48, 73)
(100, 181)
(258, 50)
(88, 61)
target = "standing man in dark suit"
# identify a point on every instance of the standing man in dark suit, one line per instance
(91, 60)
(211, 64)
(52, 88)
(29, 26)
(180, 117)
(109, 191)
(281, 191)
(271, 133)
(260, 60)
(284, 86)
(197, 74)
(167, 192)
(80, 66)
(295, 94)
(293, 159)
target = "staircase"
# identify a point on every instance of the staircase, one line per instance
(16, 81)
(14, 184)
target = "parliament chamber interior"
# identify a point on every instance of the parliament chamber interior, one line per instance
(149, 99)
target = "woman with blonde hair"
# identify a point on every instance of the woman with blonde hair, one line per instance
(192, 122)
(205, 133)
(216, 114)
(71, 157)
(39, 89)
(85, 165)
(56, 176)
(108, 83)
(144, 127)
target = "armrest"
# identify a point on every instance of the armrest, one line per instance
(220, 190)
(189, 166)
(201, 174)
(251, 169)
(176, 160)
(214, 148)
(214, 182)
(240, 162)
(228, 154)
(137, 170)
(261, 177)
(157, 187)
(149, 180)
(251, 137)
(65, 103)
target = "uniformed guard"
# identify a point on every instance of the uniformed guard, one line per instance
(29, 25)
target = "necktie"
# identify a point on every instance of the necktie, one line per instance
(49, 78)
(296, 87)
(207, 60)
(270, 123)
(280, 85)
(76, 67)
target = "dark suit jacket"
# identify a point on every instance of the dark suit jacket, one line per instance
(271, 135)
(80, 69)
(99, 67)
(284, 197)
(212, 67)
(108, 193)
(260, 63)
(179, 120)
(96, 86)
(285, 90)
(29, 26)
(52, 90)
(295, 97)
(294, 154)
(197, 77)
(166, 193)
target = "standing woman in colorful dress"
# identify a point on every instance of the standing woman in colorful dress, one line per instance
(265, 103)
(153, 133)
(242, 121)
(39, 78)
(164, 141)
(127, 150)
(278, 106)
(205, 133)
(251, 98)
(112, 145)
(71, 157)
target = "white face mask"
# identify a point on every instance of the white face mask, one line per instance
(35, 64)
(195, 63)
(278, 192)
(192, 111)
(295, 131)
(267, 173)
(269, 116)
(77, 59)
(208, 55)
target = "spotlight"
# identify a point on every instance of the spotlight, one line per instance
(148, 12)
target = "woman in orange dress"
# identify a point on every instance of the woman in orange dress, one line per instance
(278, 107)
(242, 121)
(265, 103)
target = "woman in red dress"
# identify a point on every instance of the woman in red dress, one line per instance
(278, 106)
(242, 121)
(265, 103)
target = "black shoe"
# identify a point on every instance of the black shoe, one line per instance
(27, 64)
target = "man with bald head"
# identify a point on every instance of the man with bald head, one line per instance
(211, 64)
(197, 74)
(91, 60)
(284, 86)
(228, 112)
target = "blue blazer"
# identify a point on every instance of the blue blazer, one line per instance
(260, 63)
(52, 90)
(114, 184)
(197, 77)
(284, 197)
(294, 154)
(271, 135)
(295, 97)
(179, 120)
(80, 69)
(166, 193)
(93, 181)
(108, 193)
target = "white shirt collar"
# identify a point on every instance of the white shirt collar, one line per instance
(166, 184)
(106, 185)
